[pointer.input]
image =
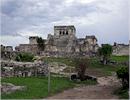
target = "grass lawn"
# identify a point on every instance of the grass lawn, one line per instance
(94, 64)
(120, 58)
(37, 88)
(67, 61)
(104, 69)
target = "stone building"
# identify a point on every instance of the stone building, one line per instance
(7, 52)
(120, 49)
(63, 42)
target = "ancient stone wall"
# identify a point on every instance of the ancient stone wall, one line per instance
(33, 40)
(23, 69)
(64, 30)
(31, 48)
(63, 41)
(120, 49)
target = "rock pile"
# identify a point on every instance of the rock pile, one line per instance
(8, 88)
(23, 69)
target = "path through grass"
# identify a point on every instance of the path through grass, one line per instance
(37, 87)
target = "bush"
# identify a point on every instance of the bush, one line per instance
(123, 74)
(81, 65)
(41, 43)
(105, 52)
(24, 57)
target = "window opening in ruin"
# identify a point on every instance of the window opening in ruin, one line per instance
(60, 32)
(63, 32)
(66, 32)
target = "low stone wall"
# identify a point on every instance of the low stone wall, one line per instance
(65, 54)
(120, 50)
(8, 88)
(8, 55)
(23, 69)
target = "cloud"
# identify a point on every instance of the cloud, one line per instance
(103, 18)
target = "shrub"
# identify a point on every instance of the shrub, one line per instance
(105, 52)
(81, 65)
(24, 57)
(123, 74)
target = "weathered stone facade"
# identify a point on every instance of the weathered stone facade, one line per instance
(63, 42)
(31, 48)
(120, 49)
(7, 52)
(23, 69)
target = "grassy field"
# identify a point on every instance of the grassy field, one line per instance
(94, 65)
(37, 87)
(120, 58)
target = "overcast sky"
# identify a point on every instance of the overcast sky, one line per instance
(106, 19)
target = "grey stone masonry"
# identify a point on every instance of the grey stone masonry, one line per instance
(23, 69)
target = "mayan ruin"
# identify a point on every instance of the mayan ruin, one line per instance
(64, 49)
(64, 41)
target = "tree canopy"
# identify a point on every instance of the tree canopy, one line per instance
(105, 52)
(41, 43)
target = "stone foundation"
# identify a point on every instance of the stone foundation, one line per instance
(23, 69)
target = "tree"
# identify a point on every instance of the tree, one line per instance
(24, 57)
(105, 52)
(41, 43)
(123, 74)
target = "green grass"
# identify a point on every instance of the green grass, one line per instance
(120, 58)
(94, 64)
(122, 93)
(105, 69)
(67, 61)
(37, 87)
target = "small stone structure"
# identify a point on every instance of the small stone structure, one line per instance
(8, 88)
(23, 69)
(7, 52)
(120, 49)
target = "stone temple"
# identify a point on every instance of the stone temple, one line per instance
(64, 42)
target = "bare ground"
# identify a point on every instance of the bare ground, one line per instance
(103, 90)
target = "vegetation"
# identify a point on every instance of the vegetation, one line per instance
(123, 74)
(37, 87)
(122, 93)
(24, 57)
(120, 58)
(41, 43)
(105, 52)
(81, 65)
(94, 64)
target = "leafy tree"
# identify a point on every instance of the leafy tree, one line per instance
(105, 52)
(41, 43)
(123, 74)
(24, 57)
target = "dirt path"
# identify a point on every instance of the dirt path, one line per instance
(103, 90)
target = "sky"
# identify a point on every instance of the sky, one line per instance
(108, 20)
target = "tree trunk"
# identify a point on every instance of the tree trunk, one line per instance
(104, 60)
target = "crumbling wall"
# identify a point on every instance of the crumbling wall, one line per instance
(23, 69)
(120, 49)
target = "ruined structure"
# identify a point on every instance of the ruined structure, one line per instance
(23, 69)
(64, 42)
(7, 52)
(120, 49)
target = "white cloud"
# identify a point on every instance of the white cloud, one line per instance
(102, 18)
